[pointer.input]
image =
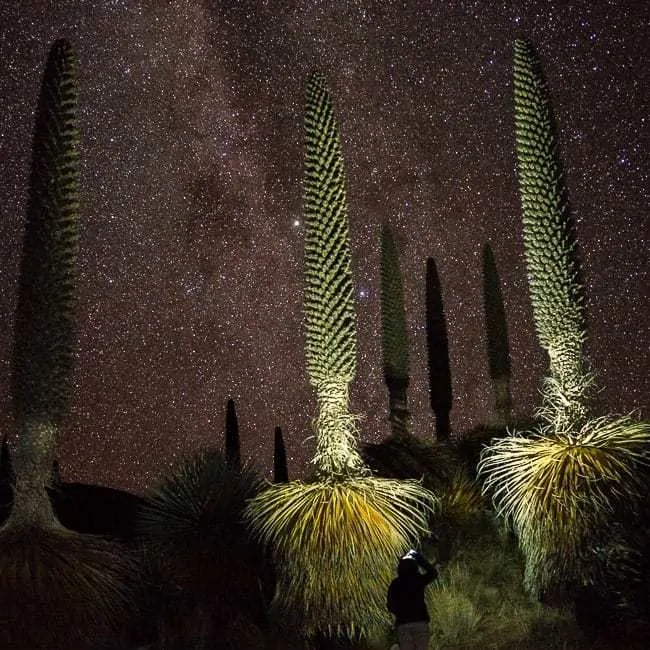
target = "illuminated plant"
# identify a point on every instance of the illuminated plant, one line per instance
(336, 540)
(394, 339)
(336, 544)
(549, 242)
(560, 493)
(329, 313)
(562, 485)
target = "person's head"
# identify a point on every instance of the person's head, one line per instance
(407, 567)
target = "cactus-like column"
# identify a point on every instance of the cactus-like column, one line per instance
(498, 349)
(44, 333)
(549, 243)
(330, 318)
(440, 395)
(394, 339)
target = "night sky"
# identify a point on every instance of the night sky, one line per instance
(191, 252)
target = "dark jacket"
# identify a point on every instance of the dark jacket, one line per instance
(406, 592)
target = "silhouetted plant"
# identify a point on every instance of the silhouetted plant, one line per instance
(496, 329)
(198, 508)
(233, 447)
(564, 485)
(280, 469)
(411, 457)
(44, 323)
(335, 540)
(60, 589)
(440, 395)
(57, 588)
(394, 339)
(6, 468)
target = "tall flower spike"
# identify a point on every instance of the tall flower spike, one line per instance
(549, 241)
(394, 339)
(440, 394)
(330, 319)
(44, 334)
(496, 330)
(329, 301)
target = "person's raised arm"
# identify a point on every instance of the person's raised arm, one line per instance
(430, 573)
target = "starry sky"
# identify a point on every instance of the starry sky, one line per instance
(191, 252)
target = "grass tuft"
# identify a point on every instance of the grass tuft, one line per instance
(478, 601)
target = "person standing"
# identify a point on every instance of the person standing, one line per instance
(406, 600)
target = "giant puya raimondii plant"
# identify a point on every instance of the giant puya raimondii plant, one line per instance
(55, 585)
(440, 394)
(496, 329)
(232, 445)
(335, 538)
(44, 333)
(394, 338)
(561, 485)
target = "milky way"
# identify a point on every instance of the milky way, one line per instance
(190, 267)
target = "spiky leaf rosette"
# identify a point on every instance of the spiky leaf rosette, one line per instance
(549, 242)
(560, 490)
(329, 301)
(193, 524)
(336, 545)
(198, 504)
(43, 331)
(62, 590)
(394, 339)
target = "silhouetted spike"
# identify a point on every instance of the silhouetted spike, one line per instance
(280, 469)
(438, 353)
(233, 450)
(394, 338)
(44, 335)
(496, 328)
